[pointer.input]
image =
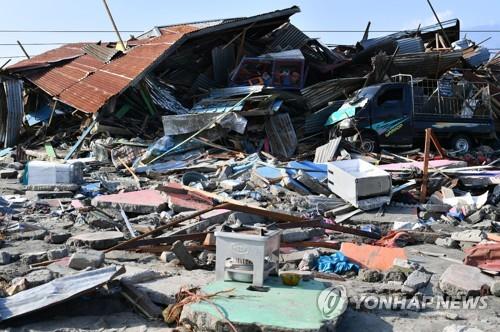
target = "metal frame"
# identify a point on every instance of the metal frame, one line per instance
(467, 96)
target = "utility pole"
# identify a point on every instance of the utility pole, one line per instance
(22, 48)
(114, 24)
(439, 22)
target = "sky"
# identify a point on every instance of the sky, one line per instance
(140, 15)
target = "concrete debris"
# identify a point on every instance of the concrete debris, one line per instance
(184, 256)
(4, 257)
(34, 257)
(468, 236)
(39, 277)
(97, 240)
(461, 328)
(495, 288)
(370, 275)
(416, 280)
(462, 281)
(57, 253)
(83, 259)
(240, 165)
(446, 242)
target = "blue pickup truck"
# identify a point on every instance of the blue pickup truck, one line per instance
(396, 114)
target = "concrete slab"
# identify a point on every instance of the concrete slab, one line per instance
(142, 201)
(391, 215)
(180, 203)
(163, 290)
(282, 308)
(463, 280)
(97, 240)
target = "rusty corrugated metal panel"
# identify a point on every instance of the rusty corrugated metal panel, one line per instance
(57, 79)
(65, 52)
(100, 52)
(91, 93)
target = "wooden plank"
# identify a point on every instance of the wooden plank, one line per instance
(50, 151)
(425, 176)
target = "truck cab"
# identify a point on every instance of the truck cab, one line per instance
(396, 114)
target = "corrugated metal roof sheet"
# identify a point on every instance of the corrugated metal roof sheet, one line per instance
(86, 84)
(424, 64)
(59, 78)
(410, 45)
(321, 93)
(15, 110)
(101, 52)
(66, 52)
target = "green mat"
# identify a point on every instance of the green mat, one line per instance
(282, 306)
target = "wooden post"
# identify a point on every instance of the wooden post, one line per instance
(22, 49)
(423, 188)
(114, 24)
(52, 112)
(436, 143)
(439, 22)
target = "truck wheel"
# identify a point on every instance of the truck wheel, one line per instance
(461, 143)
(369, 143)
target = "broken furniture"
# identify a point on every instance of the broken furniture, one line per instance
(363, 185)
(246, 257)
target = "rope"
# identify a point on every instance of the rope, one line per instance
(192, 297)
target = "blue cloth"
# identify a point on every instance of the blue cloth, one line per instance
(336, 263)
(91, 189)
(456, 213)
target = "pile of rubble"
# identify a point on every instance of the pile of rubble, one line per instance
(154, 183)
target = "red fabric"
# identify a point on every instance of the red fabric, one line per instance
(390, 240)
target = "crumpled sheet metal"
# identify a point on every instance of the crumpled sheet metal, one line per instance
(56, 291)
(189, 123)
(15, 111)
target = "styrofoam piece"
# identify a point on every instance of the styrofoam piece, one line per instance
(49, 173)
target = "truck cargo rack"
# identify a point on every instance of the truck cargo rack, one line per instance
(450, 96)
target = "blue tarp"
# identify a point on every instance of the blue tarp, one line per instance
(335, 263)
(318, 171)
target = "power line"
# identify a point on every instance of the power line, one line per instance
(139, 31)
(389, 31)
(33, 44)
(69, 31)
